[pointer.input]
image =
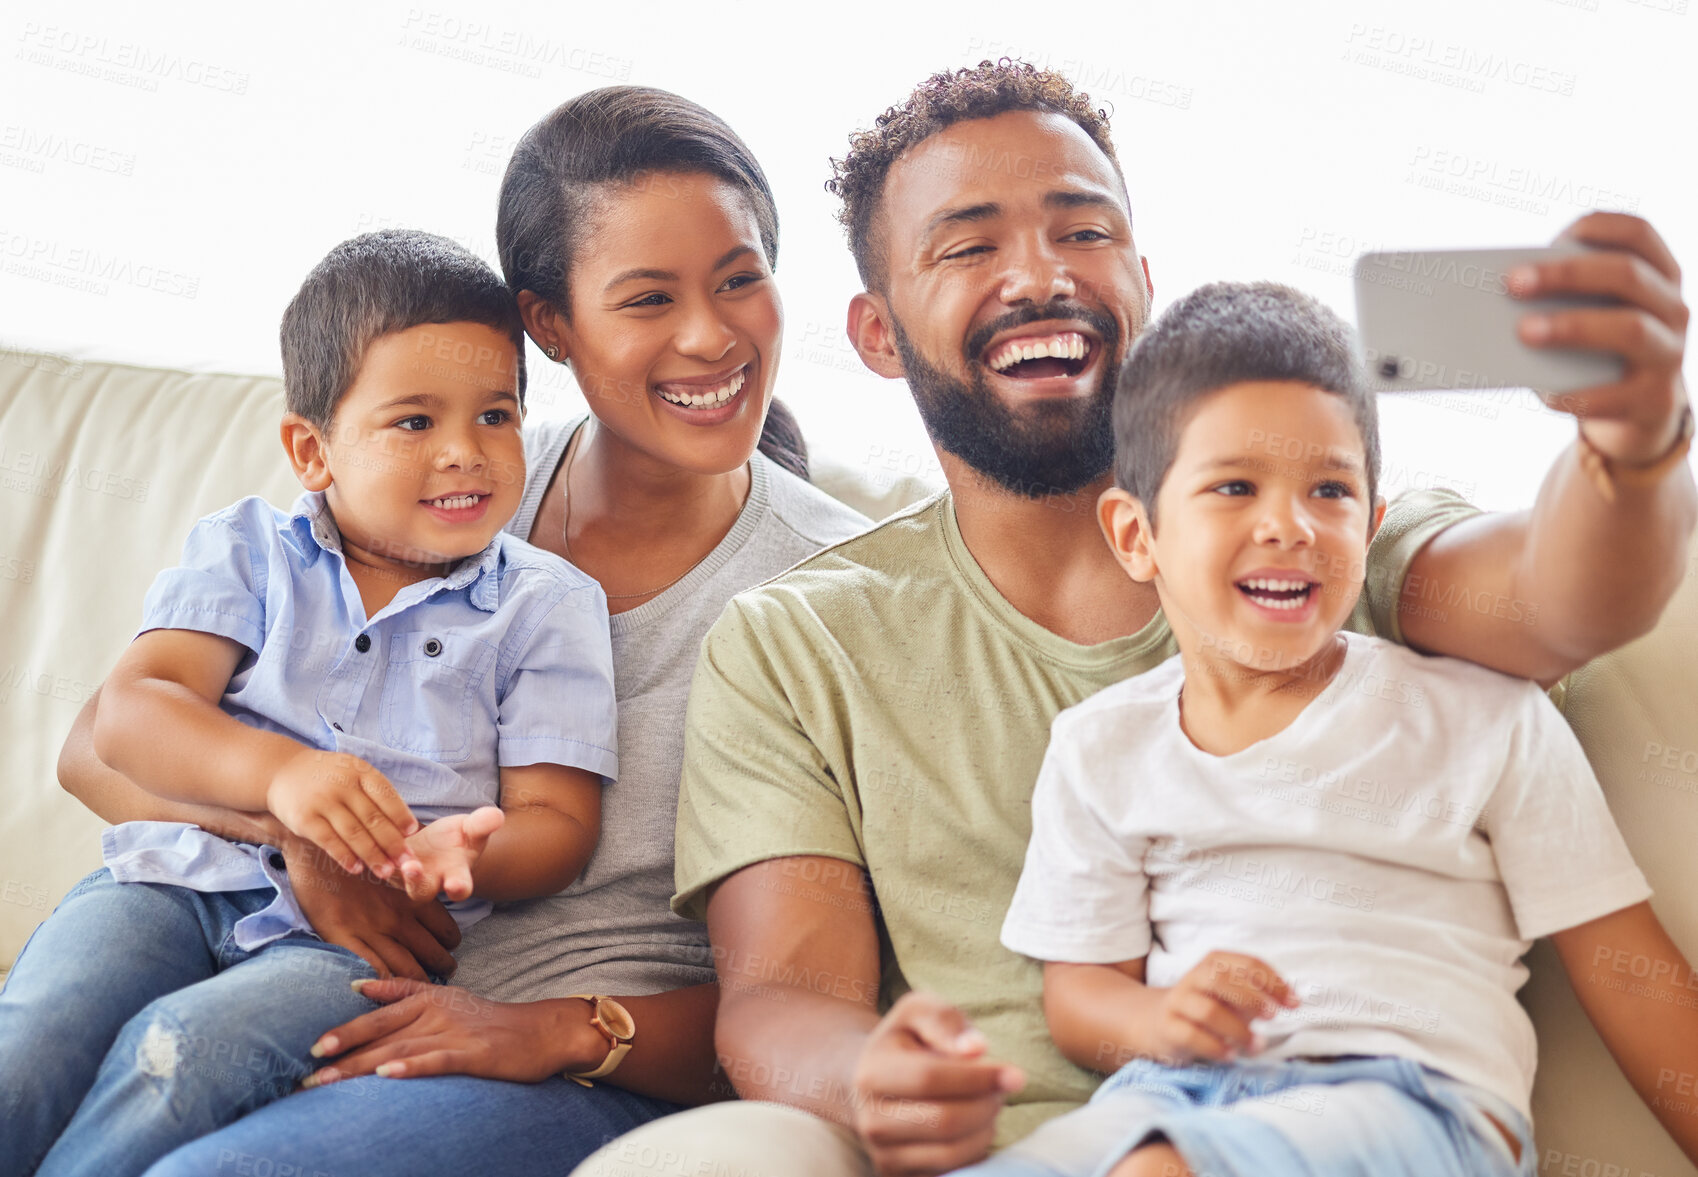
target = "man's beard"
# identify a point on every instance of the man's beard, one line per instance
(1046, 447)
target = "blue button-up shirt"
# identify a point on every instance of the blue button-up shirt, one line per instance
(505, 661)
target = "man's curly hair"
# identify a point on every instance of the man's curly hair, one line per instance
(942, 100)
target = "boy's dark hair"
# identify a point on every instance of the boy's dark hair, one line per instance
(942, 100)
(1223, 334)
(375, 284)
(620, 135)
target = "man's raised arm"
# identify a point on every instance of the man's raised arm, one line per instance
(1593, 563)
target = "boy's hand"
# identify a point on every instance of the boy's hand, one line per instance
(1208, 1013)
(444, 852)
(345, 806)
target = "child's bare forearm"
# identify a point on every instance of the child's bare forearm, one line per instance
(1638, 989)
(159, 724)
(553, 820)
(537, 851)
(114, 797)
(1100, 1015)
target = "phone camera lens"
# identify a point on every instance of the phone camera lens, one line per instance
(1389, 367)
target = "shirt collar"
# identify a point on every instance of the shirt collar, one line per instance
(481, 573)
(314, 528)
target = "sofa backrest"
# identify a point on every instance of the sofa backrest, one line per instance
(103, 469)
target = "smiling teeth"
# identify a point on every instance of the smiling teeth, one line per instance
(1069, 345)
(713, 398)
(1280, 602)
(455, 503)
(1255, 587)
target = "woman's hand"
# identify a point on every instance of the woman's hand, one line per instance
(394, 934)
(444, 1030)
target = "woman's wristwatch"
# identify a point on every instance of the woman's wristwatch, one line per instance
(617, 1026)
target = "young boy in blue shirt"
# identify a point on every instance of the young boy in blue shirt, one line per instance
(1285, 880)
(378, 668)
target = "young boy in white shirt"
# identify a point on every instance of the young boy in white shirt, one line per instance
(1285, 880)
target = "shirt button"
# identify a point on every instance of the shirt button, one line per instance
(432, 648)
(277, 861)
(362, 643)
(337, 726)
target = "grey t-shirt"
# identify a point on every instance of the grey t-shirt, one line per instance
(612, 931)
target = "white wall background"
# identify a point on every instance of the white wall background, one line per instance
(169, 172)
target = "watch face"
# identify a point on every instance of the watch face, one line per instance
(616, 1018)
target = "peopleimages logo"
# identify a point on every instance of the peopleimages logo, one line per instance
(32, 150)
(125, 62)
(87, 268)
(511, 50)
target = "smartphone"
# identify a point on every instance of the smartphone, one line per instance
(1444, 319)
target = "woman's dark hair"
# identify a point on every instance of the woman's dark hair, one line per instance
(615, 136)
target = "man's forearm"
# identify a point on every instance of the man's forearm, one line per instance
(1540, 592)
(1602, 572)
(792, 1045)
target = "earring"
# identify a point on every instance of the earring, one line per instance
(551, 352)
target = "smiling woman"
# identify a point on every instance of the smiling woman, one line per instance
(638, 235)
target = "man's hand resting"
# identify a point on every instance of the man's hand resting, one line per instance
(926, 1098)
(394, 934)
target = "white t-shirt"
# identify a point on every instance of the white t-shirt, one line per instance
(1391, 854)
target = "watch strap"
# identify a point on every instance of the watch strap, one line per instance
(618, 1047)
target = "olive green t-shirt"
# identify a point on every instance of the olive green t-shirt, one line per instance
(881, 703)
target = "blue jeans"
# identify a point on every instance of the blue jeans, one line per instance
(132, 1024)
(453, 1125)
(1348, 1117)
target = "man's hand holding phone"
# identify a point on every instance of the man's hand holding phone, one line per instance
(1599, 330)
(1634, 420)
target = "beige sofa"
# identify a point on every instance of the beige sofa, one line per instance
(103, 468)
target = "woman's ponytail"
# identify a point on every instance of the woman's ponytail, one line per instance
(782, 441)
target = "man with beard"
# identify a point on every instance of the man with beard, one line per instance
(864, 732)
